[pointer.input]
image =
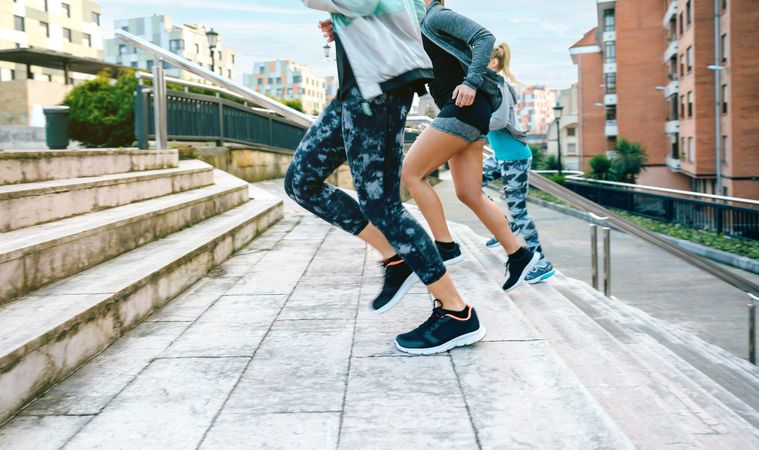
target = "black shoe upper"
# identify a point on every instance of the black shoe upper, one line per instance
(396, 273)
(440, 328)
(448, 251)
(516, 266)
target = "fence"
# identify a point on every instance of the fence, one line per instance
(723, 218)
(197, 117)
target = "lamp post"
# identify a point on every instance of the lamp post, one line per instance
(327, 50)
(557, 110)
(213, 38)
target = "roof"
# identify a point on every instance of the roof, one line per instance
(56, 60)
(588, 39)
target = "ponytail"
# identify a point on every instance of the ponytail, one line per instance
(502, 54)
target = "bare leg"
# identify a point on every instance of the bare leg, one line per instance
(466, 170)
(374, 237)
(431, 149)
(444, 290)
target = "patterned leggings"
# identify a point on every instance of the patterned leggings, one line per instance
(515, 186)
(369, 135)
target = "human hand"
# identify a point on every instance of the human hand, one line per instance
(326, 27)
(464, 95)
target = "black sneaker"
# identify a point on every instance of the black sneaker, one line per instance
(399, 278)
(451, 253)
(518, 266)
(442, 332)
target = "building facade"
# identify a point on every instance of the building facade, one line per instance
(186, 40)
(568, 126)
(645, 75)
(535, 107)
(288, 80)
(67, 27)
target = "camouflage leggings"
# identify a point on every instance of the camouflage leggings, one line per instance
(369, 135)
(515, 187)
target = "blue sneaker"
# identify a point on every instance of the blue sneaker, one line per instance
(493, 242)
(443, 331)
(541, 272)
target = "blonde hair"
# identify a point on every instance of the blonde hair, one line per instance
(502, 54)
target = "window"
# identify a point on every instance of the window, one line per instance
(689, 12)
(44, 4)
(610, 52)
(683, 147)
(725, 148)
(125, 28)
(690, 104)
(13, 74)
(689, 59)
(45, 28)
(229, 73)
(87, 39)
(66, 9)
(18, 23)
(46, 77)
(197, 49)
(572, 149)
(611, 83)
(725, 94)
(724, 5)
(122, 49)
(270, 80)
(682, 66)
(150, 64)
(609, 20)
(134, 64)
(233, 58)
(723, 47)
(682, 109)
(176, 45)
(571, 132)
(691, 149)
(67, 34)
(297, 78)
(96, 18)
(682, 27)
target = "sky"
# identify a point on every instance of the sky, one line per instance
(539, 32)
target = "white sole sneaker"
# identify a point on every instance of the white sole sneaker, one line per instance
(531, 265)
(461, 341)
(543, 277)
(454, 261)
(405, 287)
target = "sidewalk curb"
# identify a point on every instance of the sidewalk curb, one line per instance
(739, 262)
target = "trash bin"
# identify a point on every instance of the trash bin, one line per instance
(57, 127)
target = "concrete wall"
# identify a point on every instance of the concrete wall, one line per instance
(21, 101)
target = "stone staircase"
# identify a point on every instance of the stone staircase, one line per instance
(91, 242)
(276, 348)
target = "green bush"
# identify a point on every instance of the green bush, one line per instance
(102, 111)
(627, 163)
(556, 178)
(600, 167)
(538, 157)
(551, 163)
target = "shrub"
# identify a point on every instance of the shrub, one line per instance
(102, 111)
(600, 167)
(628, 161)
(537, 157)
(551, 163)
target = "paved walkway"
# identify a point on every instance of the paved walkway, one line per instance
(642, 275)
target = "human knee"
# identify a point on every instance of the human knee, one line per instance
(469, 197)
(410, 177)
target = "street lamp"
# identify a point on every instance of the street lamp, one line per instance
(557, 110)
(213, 38)
(717, 69)
(327, 49)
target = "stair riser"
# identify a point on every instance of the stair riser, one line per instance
(34, 270)
(85, 336)
(29, 211)
(44, 166)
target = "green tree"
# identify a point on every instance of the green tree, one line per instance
(551, 163)
(600, 167)
(102, 111)
(293, 103)
(538, 157)
(628, 161)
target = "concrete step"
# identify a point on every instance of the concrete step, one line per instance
(694, 363)
(653, 405)
(34, 166)
(35, 256)
(48, 334)
(28, 204)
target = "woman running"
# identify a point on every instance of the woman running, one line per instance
(511, 162)
(460, 51)
(381, 64)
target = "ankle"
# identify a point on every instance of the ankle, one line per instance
(453, 304)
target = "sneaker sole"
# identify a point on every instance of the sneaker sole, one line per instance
(533, 262)
(453, 261)
(405, 287)
(496, 245)
(461, 341)
(543, 277)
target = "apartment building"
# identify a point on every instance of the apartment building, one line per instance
(68, 28)
(645, 75)
(568, 126)
(535, 107)
(289, 80)
(190, 41)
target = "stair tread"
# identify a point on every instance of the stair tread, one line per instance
(16, 243)
(12, 191)
(28, 321)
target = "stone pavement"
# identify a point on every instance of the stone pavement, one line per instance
(642, 275)
(277, 348)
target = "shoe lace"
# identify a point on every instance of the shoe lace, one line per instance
(437, 314)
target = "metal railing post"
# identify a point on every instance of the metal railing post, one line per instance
(607, 261)
(752, 328)
(159, 105)
(594, 255)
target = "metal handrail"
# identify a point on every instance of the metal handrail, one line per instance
(536, 179)
(162, 54)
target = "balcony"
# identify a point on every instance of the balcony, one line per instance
(610, 67)
(610, 99)
(670, 14)
(672, 127)
(673, 164)
(671, 51)
(609, 36)
(611, 129)
(672, 88)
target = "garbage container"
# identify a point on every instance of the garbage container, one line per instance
(57, 127)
